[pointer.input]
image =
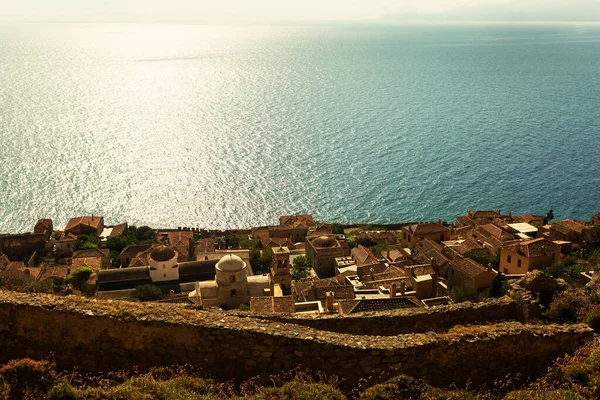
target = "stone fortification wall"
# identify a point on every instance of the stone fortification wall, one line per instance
(420, 320)
(102, 335)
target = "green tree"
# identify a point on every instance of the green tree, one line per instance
(147, 292)
(464, 293)
(79, 277)
(497, 288)
(337, 229)
(301, 268)
(483, 257)
(89, 245)
(361, 240)
(266, 259)
(144, 234)
(116, 244)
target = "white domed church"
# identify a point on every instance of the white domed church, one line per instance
(233, 285)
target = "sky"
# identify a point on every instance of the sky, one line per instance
(208, 11)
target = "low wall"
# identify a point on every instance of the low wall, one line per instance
(413, 320)
(110, 335)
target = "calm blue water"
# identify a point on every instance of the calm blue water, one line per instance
(219, 126)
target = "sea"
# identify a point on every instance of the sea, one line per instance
(223, 126)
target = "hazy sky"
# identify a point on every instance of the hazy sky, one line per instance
(295, 10)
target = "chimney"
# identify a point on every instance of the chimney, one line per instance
(393, 291)
(402, 288)
(510, 214)
(329, 297)
(271, 286)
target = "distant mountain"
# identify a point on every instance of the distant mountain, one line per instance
(516, 10)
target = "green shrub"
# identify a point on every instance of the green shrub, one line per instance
(299, 391)
(543, 395)
(442, 394)
(483, 257)
(243, 307)
(567, 307)
(146, 387)
(79, 277)
(27, 379)
(301, 268)
(147, 292)
(337, 229)
(592, 318)
(464, 293)
(400, 387)
(62, 391)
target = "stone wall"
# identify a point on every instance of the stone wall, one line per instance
(419, 320)
(107, 335)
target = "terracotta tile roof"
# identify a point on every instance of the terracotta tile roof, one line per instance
(93, 221)
(494, 231)
(53, 273)
(463, 220)
(468, 267)
(90, 253)
(118, 230)
(205, 246)
(94, 263)
(363, 256)
(284, 304)
(385, 237)
(534, 248)
(595, 219)
(277, 242)
(45, 222)
(486, 214)
(535, 220)
(420, 270)
(568, 226)
(394, 255)
(370, 305)
(297, 220)
(426, 229)
(132, 251)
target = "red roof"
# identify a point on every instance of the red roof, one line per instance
(92, 221)
(426, 229)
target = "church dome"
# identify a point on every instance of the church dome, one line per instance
(231, 263)
(162, 253)
(325, 242)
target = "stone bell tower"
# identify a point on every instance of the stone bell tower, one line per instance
(281, 272)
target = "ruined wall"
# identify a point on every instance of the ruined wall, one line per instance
(388, 323)
(104, 335)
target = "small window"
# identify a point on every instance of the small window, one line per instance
(508, 259)
(165, 275)
(233, 293)
(164, 266)
(506, 270)
(519, 263)
(232, 278)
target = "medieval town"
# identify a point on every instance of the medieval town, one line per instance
(299, 265)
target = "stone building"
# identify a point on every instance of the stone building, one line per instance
(466, 272)
(412, 234)
(232, 285)
(322, 251)
(281, 272)
(521, 257)
(163, 270)
(45, 227)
